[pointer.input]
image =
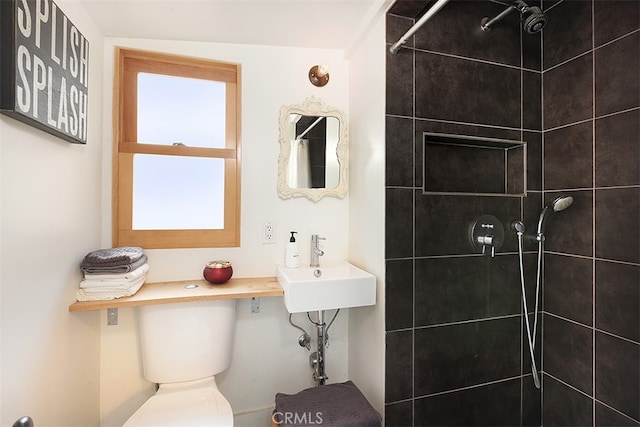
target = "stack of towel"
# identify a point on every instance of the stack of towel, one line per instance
(112, 273)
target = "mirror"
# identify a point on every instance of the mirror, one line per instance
(314, 150)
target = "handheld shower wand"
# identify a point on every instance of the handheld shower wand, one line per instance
(557, 205)
(518, 227)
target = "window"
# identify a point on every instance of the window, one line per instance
(176, 174)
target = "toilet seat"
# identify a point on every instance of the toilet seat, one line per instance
(192, 403)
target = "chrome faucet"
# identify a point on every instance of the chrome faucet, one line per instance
(316, 252)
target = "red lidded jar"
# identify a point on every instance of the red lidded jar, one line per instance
(217, 272)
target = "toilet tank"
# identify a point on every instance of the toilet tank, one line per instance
(186, 341)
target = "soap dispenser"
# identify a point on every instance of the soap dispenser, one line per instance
(291, 258)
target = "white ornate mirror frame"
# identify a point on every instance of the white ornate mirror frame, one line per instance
(312, 107)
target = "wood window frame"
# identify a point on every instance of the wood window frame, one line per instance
(128, 63)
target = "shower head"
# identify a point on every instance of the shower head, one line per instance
(561, 203)
(533, 23)
(558, 204)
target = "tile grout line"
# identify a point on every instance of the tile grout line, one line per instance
(455, 390)
(555, 190)
(593, 216)
(465, 322)
(616, 410)
(508, 128)
(596, 116)
(470, 387)
(522, 106)
(592, 49)
(468, 58)
(595, 329)
(482, 125)
(413, 232)
(614, 261)
(542, 195)
(566, 384)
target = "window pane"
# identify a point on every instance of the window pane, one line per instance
(177, 193)
(181, 110)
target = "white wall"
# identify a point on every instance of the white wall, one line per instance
(366, 207)
(267, 358)
(71, 369)
(51, 217)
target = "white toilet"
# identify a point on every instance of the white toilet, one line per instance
(183, 346)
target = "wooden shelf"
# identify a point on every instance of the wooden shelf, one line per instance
(171, 292)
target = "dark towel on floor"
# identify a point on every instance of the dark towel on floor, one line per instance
(112, 257)
(333, 405)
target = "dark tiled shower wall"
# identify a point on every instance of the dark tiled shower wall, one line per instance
(591, 139)
(456, 352)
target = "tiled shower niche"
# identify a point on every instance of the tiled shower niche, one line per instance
(455, 164)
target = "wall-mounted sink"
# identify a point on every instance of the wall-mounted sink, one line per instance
(339, 285)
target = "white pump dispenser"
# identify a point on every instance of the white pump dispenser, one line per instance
(291, 255)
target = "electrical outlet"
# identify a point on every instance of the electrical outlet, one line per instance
(268, 232)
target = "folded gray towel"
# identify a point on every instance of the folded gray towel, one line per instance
(114, 269)
(112, 256)
(333, 405)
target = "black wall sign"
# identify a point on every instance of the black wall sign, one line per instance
(44, 68)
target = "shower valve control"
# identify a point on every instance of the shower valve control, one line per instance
(487, 241)
(486, 234)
